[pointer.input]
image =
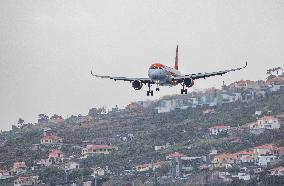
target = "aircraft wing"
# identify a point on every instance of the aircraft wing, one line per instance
(143, 80)
(205, 74)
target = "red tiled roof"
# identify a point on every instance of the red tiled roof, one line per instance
(227, 156)
(55, 153)
(249, 158)
(265, 118)
(175, 154)
(18, 165)
(247, 152)
(279, 169)
(267, 146)
(276, 80)
(91, 146)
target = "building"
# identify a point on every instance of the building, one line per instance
(209, 111)
(225, 160)
(266, 122)
(243, 84)
(242, 176)
(167, 106)
(268, 149)
(175, 155)
(49, 140)
(5, 174)
(55, 156)
(247, 156)
(71, 165)
(161, 147)
(19, 167)
(276, 81)
(98, 149)
(265, 160)
(47, 131)
(150, 166)
(26, 180)
(98, 171)
(219, 128)
(277, 171)
(258, 113)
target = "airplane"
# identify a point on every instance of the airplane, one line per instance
(162, 75)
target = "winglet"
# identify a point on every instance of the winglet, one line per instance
(246, 65)
(92, 73)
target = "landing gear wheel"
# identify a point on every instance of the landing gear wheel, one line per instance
(150, 93)
(157, 89)
(183, 91)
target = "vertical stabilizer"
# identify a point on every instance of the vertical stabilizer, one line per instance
(176, 59)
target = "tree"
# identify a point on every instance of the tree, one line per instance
(20, 122)
(42, 118)
(53, 176)
(276, 69)
(93, 112)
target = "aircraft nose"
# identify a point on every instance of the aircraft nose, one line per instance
(155, 74)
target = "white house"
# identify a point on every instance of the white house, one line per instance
(265, 160)
(98, 171)
(5, 174)
(48, 140)
(26, 180)
(266, 122)
(219, 128)
(242, 176)
(92, 149)
(19, 167)
(71, 165)
(167, 106)
(278, 171)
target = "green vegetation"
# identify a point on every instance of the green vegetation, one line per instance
(186, 131)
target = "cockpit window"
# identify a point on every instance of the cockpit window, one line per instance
(155, 66)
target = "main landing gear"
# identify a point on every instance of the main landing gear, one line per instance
(183, 90)
(157, 88)
(150, 92)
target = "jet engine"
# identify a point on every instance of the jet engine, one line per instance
(137, 85)
(188, 82)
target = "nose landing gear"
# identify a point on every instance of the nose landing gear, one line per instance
(150, 92)
(183, 90)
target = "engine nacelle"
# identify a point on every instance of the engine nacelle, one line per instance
(137, 85)
(188, 82)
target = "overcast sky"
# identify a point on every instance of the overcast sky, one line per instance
(47, 49)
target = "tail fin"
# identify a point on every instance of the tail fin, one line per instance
(176, 59)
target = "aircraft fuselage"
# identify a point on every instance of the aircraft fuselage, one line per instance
(162, 74)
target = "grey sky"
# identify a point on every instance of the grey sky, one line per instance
(47, 48)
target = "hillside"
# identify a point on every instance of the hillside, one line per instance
(186, 131)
